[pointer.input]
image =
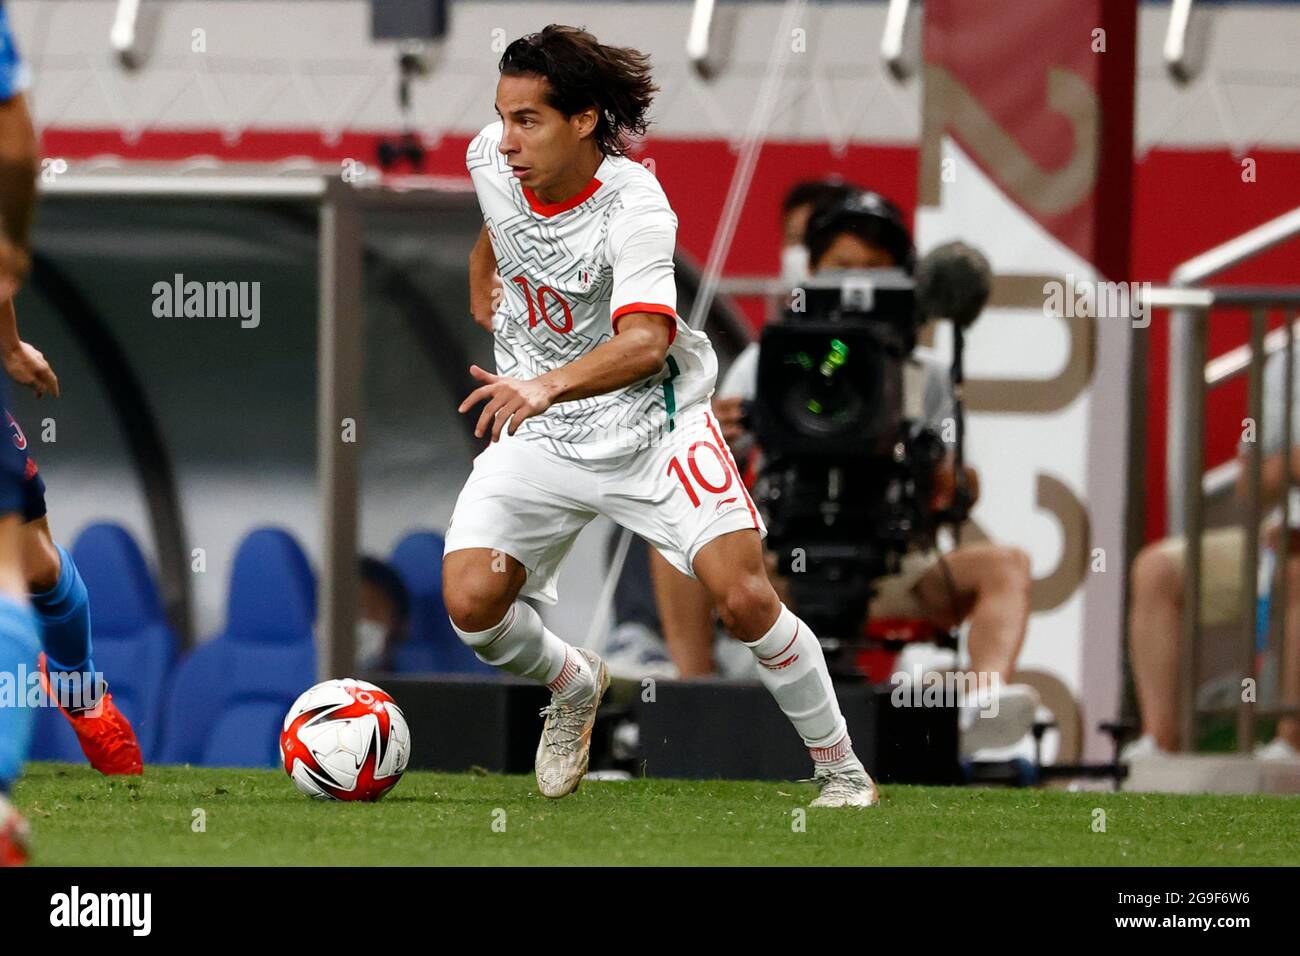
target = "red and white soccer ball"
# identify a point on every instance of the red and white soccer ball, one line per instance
(345, 740)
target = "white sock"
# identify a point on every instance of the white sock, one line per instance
(520, 644)
(793, 668)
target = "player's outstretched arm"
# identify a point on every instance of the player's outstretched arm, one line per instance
(23, 362)
(636, 352)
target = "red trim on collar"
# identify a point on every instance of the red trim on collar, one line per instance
(552, 209)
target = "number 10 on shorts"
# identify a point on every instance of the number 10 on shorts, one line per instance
(675, 467)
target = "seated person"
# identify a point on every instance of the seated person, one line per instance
(986, 584)
(796, 208)
(1155, 607)
(383, 616)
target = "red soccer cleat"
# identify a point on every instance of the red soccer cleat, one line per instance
(14, 847)
(106, 738)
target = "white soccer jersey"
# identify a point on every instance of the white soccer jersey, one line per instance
(570, 270)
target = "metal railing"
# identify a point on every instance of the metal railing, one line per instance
(1190, 376)
(1177, 58)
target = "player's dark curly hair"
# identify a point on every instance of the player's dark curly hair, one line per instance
(582, 72)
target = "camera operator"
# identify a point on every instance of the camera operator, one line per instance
(985, 583)
(796, 209)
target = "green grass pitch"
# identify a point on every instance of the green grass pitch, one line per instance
(257, 818)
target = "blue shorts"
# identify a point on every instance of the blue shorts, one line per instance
(22, 489)
(14, 76)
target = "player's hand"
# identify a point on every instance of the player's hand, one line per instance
(730, 414)
(510, 400)
(27, 366)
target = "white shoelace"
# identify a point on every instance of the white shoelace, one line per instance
(563, 730)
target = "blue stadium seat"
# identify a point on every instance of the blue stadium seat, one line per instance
(432, 645)
(229, 695)
(134, 646)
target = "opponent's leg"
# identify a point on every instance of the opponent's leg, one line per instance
(18, 642)
(18, 650)
(792, 665)
(67, 667)
(481, 591)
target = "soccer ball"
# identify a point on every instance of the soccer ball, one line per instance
(345, 740)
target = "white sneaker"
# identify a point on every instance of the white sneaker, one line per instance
(845, 788)
(1278, 751)
(986, 724)
(1143, 748)
(565, 747)
(15, 836)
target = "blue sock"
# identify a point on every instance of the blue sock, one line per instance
(18, 647)
(64, 613)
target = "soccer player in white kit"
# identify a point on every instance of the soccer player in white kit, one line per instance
(600, 406)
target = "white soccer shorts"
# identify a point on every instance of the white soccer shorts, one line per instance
(530, 503)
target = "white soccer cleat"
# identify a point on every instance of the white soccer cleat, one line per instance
(845, 788)
(565, 746)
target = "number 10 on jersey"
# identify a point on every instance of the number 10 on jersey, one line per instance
(537, 304)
